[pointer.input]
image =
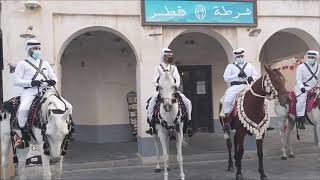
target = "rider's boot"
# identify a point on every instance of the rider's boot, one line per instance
(187, 129)
(152, 129)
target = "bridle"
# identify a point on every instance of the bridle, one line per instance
(164, 123)
(64, 145)
(267, 87)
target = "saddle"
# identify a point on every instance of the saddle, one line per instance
(310, 104)
(156, 109)
(13, 104)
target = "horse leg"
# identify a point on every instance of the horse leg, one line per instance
(318, 132)
(5, 147)
(179, 136)
(165, 157)
(58, 169)
(156, 142)
(168, 149)
(22, 155)
(45, 163)
(230, 162)
(260, 156)
(238, 149)
(283, 135)
(291, 124)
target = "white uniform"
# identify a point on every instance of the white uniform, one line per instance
(158, 72)
(302, 76)
(23, 76)
(231, 75)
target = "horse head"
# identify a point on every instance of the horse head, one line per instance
(58, 119)
(275, 87)
(167, 90)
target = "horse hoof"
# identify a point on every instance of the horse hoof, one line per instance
(264, 177)
(157, 170)
(230, 169)
(291, 156)
(239, 177)
(284, 158)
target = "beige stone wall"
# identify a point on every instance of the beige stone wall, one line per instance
(98, 70)
(56, 23)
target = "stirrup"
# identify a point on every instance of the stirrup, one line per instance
(151, 131)
(190, 132)
(301, 125)
(222, 114)
(226, 127)
(22, 144)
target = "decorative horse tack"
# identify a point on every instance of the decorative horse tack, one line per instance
(252, 117)
(287, 115)
(252, 127)
(55, 123)
(168, 113)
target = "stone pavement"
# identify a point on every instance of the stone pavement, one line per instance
(303, 167)
(201, 144)
(204, 158)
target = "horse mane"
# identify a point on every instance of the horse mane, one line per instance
(278, 73)
(168, 76)
(57, 111)
(53, 102)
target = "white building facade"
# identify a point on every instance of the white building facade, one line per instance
(100, 51)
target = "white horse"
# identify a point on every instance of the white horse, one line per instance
(170, 123)
(56, 116)
(288, 124)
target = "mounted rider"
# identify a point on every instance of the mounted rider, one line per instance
(238, 74)
(166, 65)
(307, 77)
(30, 74)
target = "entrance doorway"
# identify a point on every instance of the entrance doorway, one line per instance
(196, 84)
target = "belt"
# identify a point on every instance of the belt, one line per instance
(238, 83)
(26, 87)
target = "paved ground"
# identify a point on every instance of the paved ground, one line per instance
(303, 167)
(204, 158)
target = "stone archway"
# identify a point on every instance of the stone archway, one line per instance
(196, 52)
(98, 70)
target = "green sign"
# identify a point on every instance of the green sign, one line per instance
(195, 12)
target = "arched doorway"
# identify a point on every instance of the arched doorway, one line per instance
(98, 71)
(201, 60)
(285, 50)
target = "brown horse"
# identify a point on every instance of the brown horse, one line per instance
(251, 117)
